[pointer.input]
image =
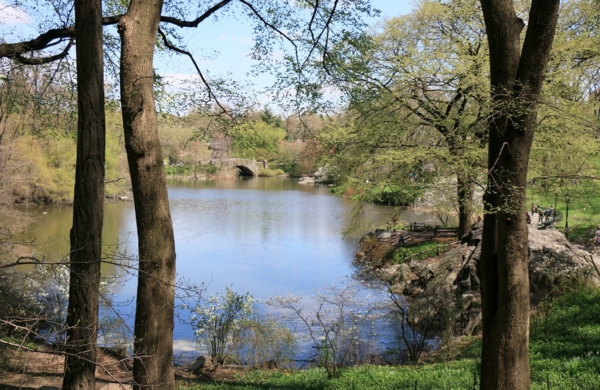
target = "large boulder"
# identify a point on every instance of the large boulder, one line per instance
(452, 284)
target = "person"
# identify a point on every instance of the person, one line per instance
(597, 236)
(528, 217)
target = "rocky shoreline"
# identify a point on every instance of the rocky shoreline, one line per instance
(444, 291)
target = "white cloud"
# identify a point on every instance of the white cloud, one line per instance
(13, 15)
(181, 79)
(247, 41)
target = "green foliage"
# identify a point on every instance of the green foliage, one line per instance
(271, 119)
(417, 252)
(289, 157)
(42, 171)
(267, 172)
(255, 140)
(178, 170)
(208, 169)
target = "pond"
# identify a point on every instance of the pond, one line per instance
(266, 236)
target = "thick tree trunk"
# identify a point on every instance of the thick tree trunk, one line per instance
(464, 192)
(153, 344)
(516, 80)
(88, 208)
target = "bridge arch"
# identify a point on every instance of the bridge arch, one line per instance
(244, 170)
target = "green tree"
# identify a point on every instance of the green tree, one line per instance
(419, 84)
(566, 143)
(270, 118)
(256, 139)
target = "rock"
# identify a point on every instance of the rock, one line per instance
(389, 274)
(454, 283)
(385, 234)
(306, 180)
(398, 289)
(470, 300)
(197, 364)
(404, 272)
(553, 258)
(474, 322)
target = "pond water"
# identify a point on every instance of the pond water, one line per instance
(266, 236)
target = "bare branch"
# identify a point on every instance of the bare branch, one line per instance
(271, 26)
(187, 53)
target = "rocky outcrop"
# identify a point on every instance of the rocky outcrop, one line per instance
(446, 291)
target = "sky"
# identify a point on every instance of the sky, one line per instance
(228, 43)
(221, 48)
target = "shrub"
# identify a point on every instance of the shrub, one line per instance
(263, 341)
(177, 170)
(267, 172)
(219, 319)
(339, 324)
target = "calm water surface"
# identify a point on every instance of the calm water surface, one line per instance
(263, 236)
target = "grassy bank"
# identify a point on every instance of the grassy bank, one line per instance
(565, 354)
(584, 208)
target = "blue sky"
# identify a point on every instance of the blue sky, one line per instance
(221, 48)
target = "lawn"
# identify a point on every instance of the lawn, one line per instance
(584, 207)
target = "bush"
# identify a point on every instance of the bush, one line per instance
(208, 169)
(340, 324)
(177, 170)
(263, 341)
(218, 320)
(267, 172)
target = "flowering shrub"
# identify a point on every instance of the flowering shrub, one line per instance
(218, 319)
(339, 324)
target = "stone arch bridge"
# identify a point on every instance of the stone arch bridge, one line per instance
(245, 167)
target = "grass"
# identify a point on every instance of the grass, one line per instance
(584, 208)
(564, 351)
(416, 252)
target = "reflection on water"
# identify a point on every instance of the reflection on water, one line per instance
(263, 236)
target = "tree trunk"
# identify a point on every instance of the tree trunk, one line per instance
(464, 192)
(516, 80)
(153, 344)
(88, 207)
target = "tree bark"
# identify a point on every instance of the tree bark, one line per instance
(464, 192)
(153, 343)
(516, 81)
(88, 207)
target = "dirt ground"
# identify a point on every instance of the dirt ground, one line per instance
(43, 371)
(34, 370)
